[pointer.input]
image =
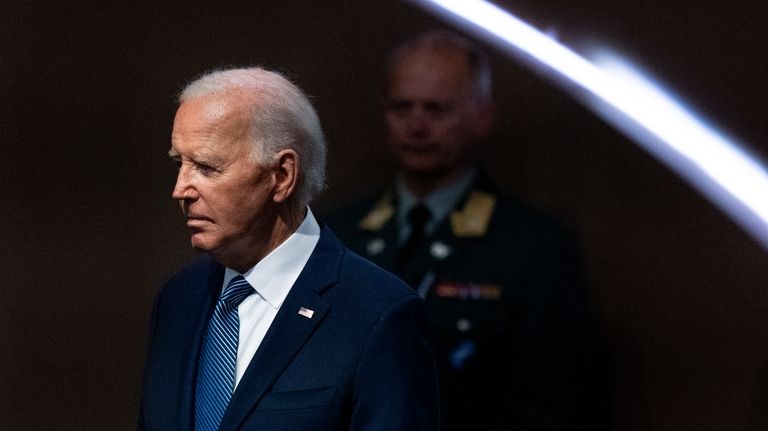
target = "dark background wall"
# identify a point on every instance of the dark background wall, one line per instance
(89, 231)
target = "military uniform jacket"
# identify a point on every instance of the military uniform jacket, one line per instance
(505, 304)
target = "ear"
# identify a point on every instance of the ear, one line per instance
(286, 175)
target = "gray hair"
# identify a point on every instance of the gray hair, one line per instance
(441, 40)
(282, 117)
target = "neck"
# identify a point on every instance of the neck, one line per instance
(424, 185)
(286, 222)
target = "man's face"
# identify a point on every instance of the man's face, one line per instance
(434, 123)
(222, 191)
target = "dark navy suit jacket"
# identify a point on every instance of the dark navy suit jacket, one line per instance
(362, 361)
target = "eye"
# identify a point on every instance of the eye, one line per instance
(399, 107)
(206, 169)
(438, 109)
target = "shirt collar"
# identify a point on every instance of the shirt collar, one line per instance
(273, 276)
(440, 202)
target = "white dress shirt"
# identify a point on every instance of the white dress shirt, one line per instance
(272, 277)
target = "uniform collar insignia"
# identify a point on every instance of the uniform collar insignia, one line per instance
(379, 215)
(473, 219)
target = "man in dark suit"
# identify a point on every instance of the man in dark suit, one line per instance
(504, 296)
(278, 327)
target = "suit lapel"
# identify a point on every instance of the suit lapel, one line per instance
(288, 332)
(199, 308)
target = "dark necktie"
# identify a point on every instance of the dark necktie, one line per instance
(418, 216)
(216, 376)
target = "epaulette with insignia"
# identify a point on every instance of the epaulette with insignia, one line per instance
(379, 215)
(473, 219)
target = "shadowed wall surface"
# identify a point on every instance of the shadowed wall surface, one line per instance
(90, 231)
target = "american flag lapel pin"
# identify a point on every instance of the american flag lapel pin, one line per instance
(306, 312)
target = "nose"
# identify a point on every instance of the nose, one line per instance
(184, 188)
(417, 122)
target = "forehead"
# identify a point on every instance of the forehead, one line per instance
(216, 110)
(217, 118)
(426, 73)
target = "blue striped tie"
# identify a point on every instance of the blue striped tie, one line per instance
(216, 376)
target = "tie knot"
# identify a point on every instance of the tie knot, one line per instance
(419, 215)
(236, 291)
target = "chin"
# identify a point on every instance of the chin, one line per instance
(418, 165)
(422, 170)
(199, 249)
(200, 244)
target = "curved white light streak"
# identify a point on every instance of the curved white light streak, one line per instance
(722, 171)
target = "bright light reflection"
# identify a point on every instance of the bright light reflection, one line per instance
(721, 170)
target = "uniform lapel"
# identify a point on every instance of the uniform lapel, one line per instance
(426, 261)
(289, 331)
(377, 233)
(386, 237)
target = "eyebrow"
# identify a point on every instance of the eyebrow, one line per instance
(200, 159)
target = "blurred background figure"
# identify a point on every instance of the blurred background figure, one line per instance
(505, 298)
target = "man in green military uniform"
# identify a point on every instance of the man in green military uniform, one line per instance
(504, 296)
